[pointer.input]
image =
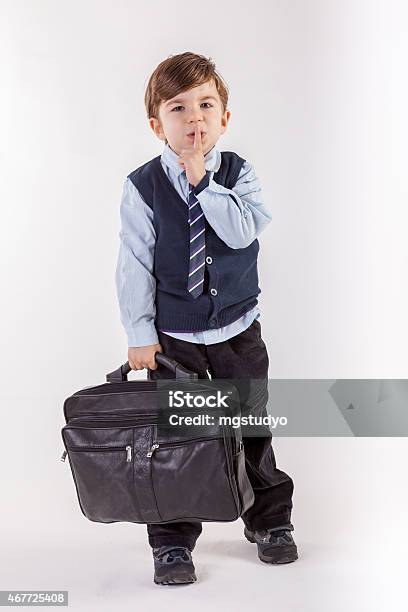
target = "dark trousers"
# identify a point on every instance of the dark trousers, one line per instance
(242, 357)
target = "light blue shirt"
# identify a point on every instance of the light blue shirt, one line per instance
(237, 216)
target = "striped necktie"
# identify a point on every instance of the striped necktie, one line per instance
(196, 221)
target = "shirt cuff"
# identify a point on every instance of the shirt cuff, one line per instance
(142, 336)
(202, 184)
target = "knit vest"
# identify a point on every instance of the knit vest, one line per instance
(231, 278)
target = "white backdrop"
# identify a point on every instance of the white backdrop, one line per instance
(318, 98)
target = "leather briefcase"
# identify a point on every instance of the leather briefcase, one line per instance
(129, 466)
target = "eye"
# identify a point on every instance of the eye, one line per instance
(176, 107)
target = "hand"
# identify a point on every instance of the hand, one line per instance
(141, 357)
(192, 159)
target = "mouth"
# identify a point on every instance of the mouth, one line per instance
(191, 135)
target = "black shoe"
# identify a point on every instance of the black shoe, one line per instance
(173, 565)
(275, 545)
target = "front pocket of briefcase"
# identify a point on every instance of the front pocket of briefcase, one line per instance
(104, 481)
(111, 469)
(102, 466)
(192, 479)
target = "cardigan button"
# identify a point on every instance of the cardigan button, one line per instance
(208, 260)
(213, 291)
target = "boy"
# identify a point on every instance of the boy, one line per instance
(187, 283)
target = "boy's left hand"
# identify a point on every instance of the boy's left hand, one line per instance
(192, 159)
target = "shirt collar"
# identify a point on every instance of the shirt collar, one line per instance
(212, 159)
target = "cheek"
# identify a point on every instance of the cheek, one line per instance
(174, 125)
(214, 120)
(169, 120)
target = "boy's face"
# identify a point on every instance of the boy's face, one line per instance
(179, 115)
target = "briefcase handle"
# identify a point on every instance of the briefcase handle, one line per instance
(120, 375)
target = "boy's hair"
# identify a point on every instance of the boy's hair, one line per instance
(178, 73)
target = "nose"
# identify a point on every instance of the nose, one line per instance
(192, 125)
(195, 115)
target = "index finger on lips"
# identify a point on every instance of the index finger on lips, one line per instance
(197, 137)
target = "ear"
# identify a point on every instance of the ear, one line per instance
(157, 128)
(224, 120)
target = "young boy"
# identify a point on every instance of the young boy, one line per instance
(187, 283)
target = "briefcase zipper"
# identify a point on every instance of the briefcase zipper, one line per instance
(155, 446)
(111, 388)
(98, 419)
(152, 449)
(97, 447)
(128, 449)
(108, 416)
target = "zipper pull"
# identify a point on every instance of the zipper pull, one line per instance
(128, 453)
(151, 451)
(63, 456)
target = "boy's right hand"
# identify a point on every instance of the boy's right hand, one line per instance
(141, 357)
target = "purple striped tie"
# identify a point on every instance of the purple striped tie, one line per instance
(196, 221)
